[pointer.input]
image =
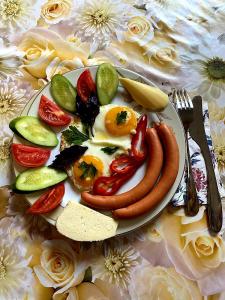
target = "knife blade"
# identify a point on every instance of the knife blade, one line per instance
(214, 205)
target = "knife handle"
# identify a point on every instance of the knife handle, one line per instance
(191, 201)
(214, 207)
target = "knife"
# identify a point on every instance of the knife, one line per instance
(214, 205)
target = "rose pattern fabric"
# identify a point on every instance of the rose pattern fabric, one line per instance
(176, 44)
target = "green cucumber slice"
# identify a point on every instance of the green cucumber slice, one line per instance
(63, 92)
(33, 130)
(107, 83)
(38, 179)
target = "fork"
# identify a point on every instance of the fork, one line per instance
(184, 106)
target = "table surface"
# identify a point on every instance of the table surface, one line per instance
(176, 44)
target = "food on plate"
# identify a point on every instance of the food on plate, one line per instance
(138, 143)
(88, 110)
(85, 86)
(81, 223)
(114, 125)
(48, 201)
(63, 92)
(38, 179)
(51, 114)
(103, 148)
(28, 156)
(147, 96)
(107, 83)
(33, 130)
(67, 156)
(155, 161)
(109, 185)
(165, 182)
(74, 136)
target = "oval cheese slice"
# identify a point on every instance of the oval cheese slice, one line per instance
(81, 223)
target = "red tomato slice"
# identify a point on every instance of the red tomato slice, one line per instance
(85, 86)
(49, 200)
(51, 113)
(28, 156)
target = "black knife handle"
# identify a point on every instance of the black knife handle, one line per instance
(214, 207)
(191, 201)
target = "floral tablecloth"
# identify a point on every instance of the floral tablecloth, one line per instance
(175, 44)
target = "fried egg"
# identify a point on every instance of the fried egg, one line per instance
(95, 162)
(114, 125)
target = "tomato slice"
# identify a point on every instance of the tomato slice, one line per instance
(48, 201)
(85, 86)
(30, 157)
(51, 113)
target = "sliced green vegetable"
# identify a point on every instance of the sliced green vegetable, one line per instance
(63, 92)
(39, 178)
(33, 130)
(110, 150)
(73, 136)
(107, 83)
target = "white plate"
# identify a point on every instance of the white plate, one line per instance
(169, 115)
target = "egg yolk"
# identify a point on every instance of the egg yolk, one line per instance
(87, 169)
(120, 121)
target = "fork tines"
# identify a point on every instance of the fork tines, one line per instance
(181, 99)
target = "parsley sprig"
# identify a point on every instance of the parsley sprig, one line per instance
(110, 150)
(73, 136)
(88, 170)
(121, 117)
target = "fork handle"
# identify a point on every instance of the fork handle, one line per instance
(191, 201)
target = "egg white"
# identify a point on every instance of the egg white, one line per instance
(95, 150)
(103, 137)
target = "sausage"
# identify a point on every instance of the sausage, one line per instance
(155, 153)
(168, 176)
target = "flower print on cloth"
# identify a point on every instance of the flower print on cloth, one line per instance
(15, 275)
(97, 290)
(13, 97)
(59, 265)
(100, 21)
(167, 11)
(5, 159)
(151, 283)
(54, 11)
(140, 30)
(218, 137)
(15, 15)
(10, 60)
(46, 54)
(204, 69)
(116, 265)
(198, 167)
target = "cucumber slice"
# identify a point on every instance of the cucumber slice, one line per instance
(38, 179)
(33, 130)
(63, 92)
(107, 83)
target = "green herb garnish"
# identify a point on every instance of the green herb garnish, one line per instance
(121, 117)
(89, 170)
(73, 136)
(110, 150)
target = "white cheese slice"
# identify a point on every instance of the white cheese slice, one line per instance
(81, 223)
